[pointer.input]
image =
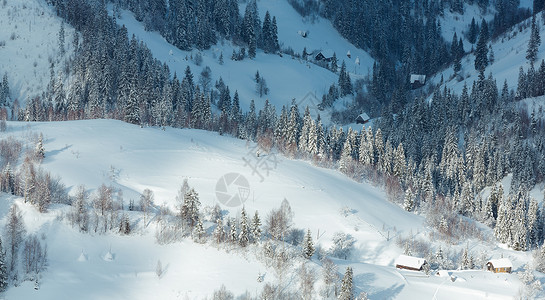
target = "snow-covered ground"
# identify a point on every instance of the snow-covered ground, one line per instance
(133, 158)
(509, 55)
(29, 44)
(287, 78)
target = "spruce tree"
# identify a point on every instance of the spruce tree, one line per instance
(481, 53)
(190, 208)
(409, 201)
(219, 232)
(256, 227)
(4, 277)
(533, 43)
(308, 245)
(200, 233)
(473, 32)
(244, 235)
(345, 83)
(274, 35)
(347, 289)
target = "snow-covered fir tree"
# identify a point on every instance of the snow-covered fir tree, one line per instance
(347, 289)
(308, 245)
(256, 227)
(190, 208)
(219, 231)
(534, 42)
(244, 235)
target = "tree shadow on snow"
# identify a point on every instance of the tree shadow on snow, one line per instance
(55, 152)
(365, 283)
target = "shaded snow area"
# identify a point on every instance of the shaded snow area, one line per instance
(130, 158)
(29, 45)
(287, 78)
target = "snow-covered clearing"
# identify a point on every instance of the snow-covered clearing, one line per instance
(92, 266)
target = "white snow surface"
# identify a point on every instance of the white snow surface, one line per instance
(111, 266)
(509, 53)
(30, 31)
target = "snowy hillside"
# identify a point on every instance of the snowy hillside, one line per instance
(133, 159)
(287, 78)
(29, 44)
(509, 55)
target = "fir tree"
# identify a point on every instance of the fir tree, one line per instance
(219, 232)
(274, 35)
(244, 235)
(409, 201)
(481, 53)
(308, 245)
(256, 227)
(473, 32)
(40, 151)
(334, 65)
(533, 43)
(345, 83)
(200, 233)
(347, 289)
(4, 276)
(61, 39)
(231, 223)
(190, 208)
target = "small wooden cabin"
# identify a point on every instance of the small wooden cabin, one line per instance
(410, 263)
(362, 119)
(501, 265)
(417, 81)
(325, 55)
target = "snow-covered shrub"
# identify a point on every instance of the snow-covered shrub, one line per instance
(343, 245)
(222, 294)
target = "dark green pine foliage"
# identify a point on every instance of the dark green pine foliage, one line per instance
(251, 28)
(473, 32)
(533, 44)
(274, 35)
(345, 83)
(481, 53)
(267, 43)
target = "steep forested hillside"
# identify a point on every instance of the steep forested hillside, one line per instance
(450, 168)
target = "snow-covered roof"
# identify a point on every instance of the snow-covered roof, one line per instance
(501, 263)
(327, 53)
(418, 77)
(410, 261)
(364, 117)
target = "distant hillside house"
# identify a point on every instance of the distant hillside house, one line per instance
(410, 263)
(362, 119)
(417, 81)
(326, 55)
(501, 265)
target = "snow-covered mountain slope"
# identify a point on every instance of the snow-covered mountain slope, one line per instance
(509, 56)
(133, 159)
(29, 44)
(287, 78)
